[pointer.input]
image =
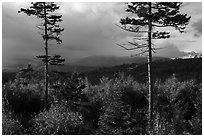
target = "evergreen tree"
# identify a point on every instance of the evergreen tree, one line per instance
(147, 16)
(51, 31)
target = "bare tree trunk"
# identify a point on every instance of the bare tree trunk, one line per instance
(150, 70)
(46, 58)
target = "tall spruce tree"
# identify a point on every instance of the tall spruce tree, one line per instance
(51, 31)
(146, 17)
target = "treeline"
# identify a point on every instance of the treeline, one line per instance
(8, 76)
(115, 106)
(183, 69)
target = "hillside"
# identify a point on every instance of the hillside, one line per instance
(183, 69)
(110, 61)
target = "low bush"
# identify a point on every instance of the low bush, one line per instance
(122, 104)
(58, 120)
(115, 106)
(24, 100)
(177, 105)
(10, 126)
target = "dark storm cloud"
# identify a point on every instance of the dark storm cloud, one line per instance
(169, 50)
(20, 45)
(89, 30)
(91, 27)
(77, 48)
(197, 26)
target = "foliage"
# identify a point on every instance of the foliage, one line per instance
(50, 26)
(24, 100)
(119, 120)
(10, 126)
(177, 105)
(44, 10)
(58, 120)
(120, 105)
(69, 91)
(8, 76)
(184, 69)
(152, 15)
(115, 106)
(148, 17)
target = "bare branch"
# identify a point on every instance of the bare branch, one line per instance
(138, 45)
(155, 25)
(39, 27)
(138, 54)
(140, 38)
(125, 47)
(153, 44)
(131, 30)
(135, 48)
(156, 49)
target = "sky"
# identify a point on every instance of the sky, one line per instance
(90, 30)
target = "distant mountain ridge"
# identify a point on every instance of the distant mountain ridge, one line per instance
(192, 55)
(88, 63)
(110, 61)
(183, 69)
(94, 62)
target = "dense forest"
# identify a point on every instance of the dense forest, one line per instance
(183, 69)
(105, 101)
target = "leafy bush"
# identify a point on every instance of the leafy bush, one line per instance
(115, 106)
(58, 120)
(10, 126)
(119, 120)
(110, 90)
(122, 102)
(70, 91)
(177, 105)
(187, 104)
(24, 100)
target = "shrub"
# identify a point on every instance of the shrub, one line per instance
(110, 90)
(70, 91)
(28, 99)
(24, 100)
(187, 104)
(119, 120)
(10, 126)
(178, 104)
(58, 120)
(122, 102)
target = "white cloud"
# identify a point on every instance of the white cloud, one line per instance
(89, 30)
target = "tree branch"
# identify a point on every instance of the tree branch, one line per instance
(131, 30)
(138, 45)
(155, 25)
(138, 38)
(138, 54)
(135, 48)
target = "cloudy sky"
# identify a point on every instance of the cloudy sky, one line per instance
(90, 29)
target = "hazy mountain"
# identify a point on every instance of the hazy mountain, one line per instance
(192, 55)
(109, 61)
(84, 64)
(183, 69)
(72, 68)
